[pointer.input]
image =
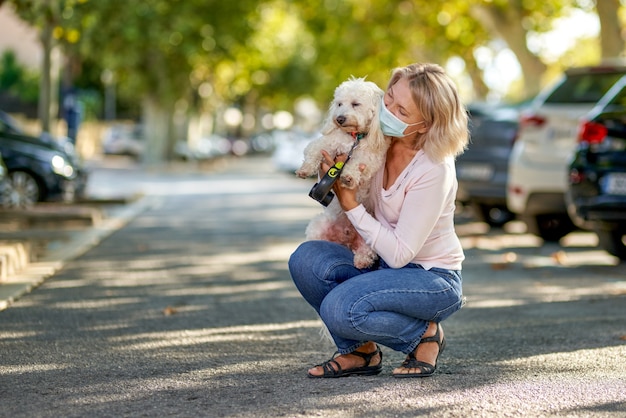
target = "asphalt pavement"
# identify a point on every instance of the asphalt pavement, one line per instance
(183, 306)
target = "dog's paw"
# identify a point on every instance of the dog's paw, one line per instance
(349, 181)
(364, 257)
(303, 173)
(363, 262)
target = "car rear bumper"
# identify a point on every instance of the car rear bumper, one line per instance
(602, 209)
(540, 203)
(494, 194)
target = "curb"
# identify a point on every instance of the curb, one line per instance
(35, 273)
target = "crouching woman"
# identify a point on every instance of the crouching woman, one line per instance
(402, 300)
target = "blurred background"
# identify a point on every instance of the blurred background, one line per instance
(171, 79)
(164, 81)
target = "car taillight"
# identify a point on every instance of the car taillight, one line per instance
(591, 132)
(532, 120)
(576, 177)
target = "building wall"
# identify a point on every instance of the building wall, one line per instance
(17, 35)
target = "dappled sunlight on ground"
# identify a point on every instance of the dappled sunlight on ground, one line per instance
(527, 270)
(190, 307)
(258, 332)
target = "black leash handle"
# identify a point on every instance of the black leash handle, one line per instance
(321, 191)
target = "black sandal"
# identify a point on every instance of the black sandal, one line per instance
(426, 369)
(366, 370)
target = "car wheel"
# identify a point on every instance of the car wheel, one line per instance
(551, 227)
(613, 241)
(22, 190)
(494, 216)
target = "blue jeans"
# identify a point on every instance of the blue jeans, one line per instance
(392, 307)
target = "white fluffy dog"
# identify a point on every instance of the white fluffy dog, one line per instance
(352, 117)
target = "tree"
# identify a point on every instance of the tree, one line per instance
(159, 52)
(511, 21)
(611, 39)
(177, 57)
(45, 15)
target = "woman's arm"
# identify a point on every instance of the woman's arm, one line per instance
(416, 212)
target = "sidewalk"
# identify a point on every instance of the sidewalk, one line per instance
(31, 255)
(35, 243)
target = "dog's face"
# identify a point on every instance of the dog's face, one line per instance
(355, 105)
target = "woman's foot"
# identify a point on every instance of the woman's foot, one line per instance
(365, 360)
(422, 361)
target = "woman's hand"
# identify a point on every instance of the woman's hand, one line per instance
(327, 163)
(346, 197)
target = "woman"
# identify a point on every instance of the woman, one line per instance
(400, 302)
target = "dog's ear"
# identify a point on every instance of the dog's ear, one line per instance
(328, 125)
(376, 137)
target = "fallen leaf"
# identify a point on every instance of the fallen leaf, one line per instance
(510, 257)
(560, 257)
(500, 266)
(169, 311)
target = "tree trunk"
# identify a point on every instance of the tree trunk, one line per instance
(476, 74)
(45, 83)
(507, 24)
(158, 131)
(611, 40)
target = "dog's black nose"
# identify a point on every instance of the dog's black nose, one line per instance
(341, 120)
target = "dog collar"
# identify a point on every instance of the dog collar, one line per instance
(358, 135)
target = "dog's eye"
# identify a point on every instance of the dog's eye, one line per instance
(355, 104)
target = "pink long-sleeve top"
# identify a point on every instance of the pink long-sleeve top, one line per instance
(413, 220)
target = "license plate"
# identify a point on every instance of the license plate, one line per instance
(475, 171)
(615, 183)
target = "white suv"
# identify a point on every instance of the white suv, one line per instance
(537, 178)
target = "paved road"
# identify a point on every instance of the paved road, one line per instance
(189, 311)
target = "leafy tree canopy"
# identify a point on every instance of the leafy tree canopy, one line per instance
(271, 52)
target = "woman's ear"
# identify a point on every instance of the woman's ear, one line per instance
(423, 128)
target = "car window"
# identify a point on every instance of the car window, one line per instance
(619, 99)
(583, 88)
(4, 127)
(8, 125)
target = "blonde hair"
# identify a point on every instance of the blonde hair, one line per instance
(437, 99)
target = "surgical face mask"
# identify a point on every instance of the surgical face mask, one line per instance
(391, 125)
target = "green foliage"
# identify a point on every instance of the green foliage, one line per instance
(269, 52)
(17, 80)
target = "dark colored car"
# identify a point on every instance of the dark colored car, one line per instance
(4, 178)
(482, 169)
(39, 168)
(596, 195)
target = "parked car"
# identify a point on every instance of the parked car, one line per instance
(4, 180)
(289, 152)
(39, 168)
(124, 139)
(482, 169)
(538, 165)
(205, 148)
(596, 196)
